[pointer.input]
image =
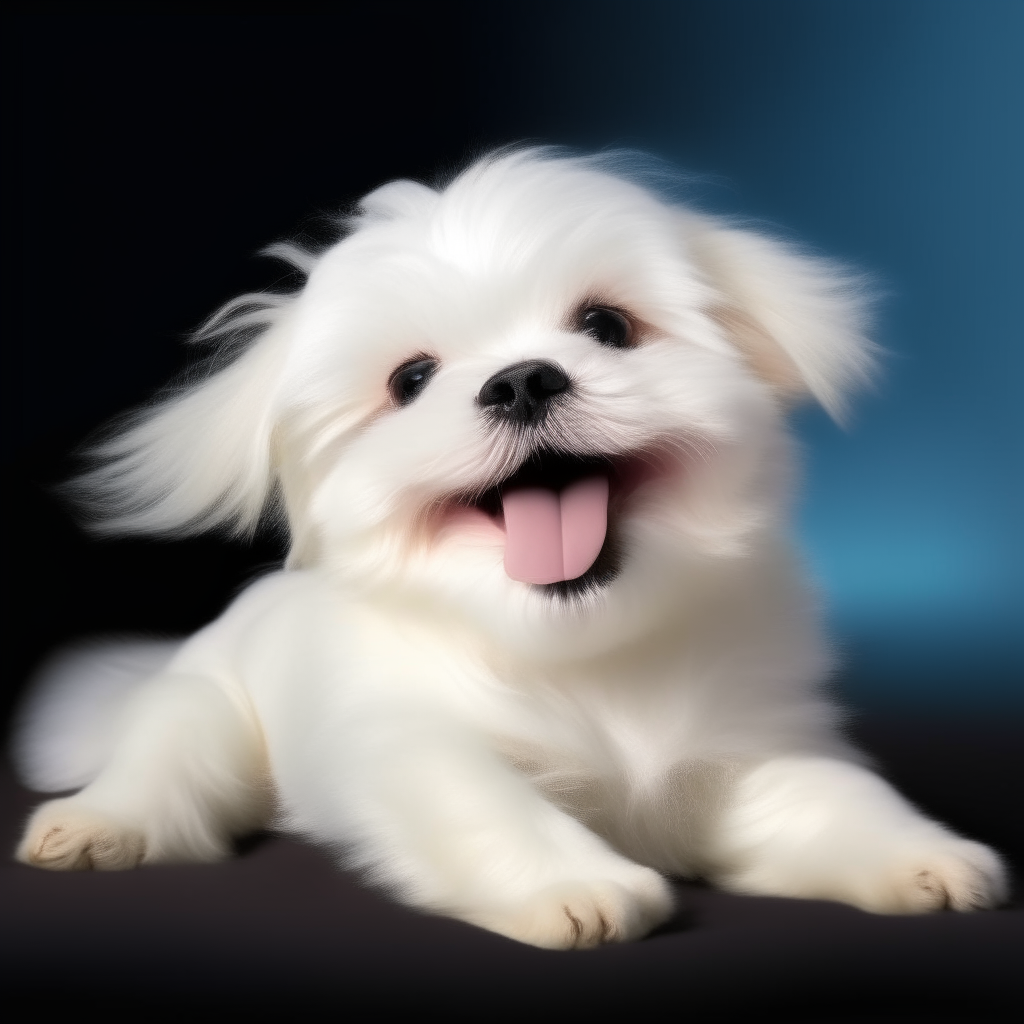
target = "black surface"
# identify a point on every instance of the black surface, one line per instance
(280, 926)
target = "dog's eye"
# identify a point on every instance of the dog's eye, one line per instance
(608, 326)
(410, 379)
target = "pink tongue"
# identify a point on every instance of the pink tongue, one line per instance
(551, 537)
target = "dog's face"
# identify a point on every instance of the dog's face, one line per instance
(541, 399)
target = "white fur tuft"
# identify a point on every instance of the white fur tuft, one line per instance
(67, 726)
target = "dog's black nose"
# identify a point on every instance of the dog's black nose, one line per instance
(522, 391)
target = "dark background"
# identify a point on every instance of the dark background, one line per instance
(148, 158)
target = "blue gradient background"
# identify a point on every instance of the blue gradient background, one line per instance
(888, 133)
(162, 150)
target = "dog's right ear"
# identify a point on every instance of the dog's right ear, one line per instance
(202, 456)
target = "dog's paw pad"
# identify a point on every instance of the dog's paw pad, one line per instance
(581, 915)
(64, 837)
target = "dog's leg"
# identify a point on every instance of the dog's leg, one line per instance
(821, 828)
(185, 776)
(436, 817)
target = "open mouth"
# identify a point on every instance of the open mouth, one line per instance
(557, 513)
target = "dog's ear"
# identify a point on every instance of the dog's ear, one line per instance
(799, 320)
(200, 457)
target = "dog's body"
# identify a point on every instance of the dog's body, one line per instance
(543, 366)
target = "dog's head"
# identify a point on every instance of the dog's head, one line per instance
(539, 397)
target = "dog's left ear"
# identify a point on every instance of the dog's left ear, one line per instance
(799, 320)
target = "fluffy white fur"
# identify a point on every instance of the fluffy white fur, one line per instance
(533, 762)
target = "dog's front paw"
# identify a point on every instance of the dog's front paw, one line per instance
(584, 914)
(63, 835)
(948, 873)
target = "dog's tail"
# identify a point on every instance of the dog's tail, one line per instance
(67, 724)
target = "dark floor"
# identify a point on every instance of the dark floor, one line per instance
(279, 928)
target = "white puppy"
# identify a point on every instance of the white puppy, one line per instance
(541, 639)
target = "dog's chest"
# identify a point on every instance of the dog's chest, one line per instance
(607, 734)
